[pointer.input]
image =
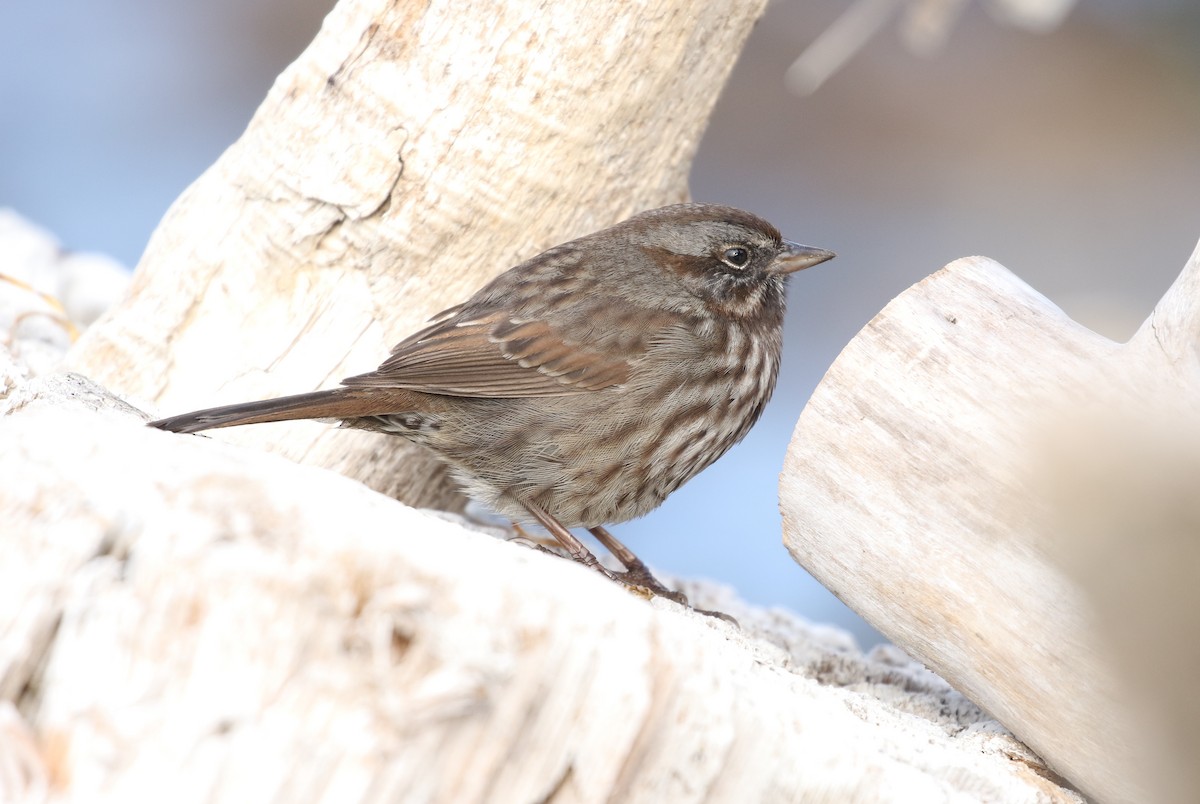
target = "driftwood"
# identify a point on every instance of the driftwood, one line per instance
(411, 153)
(945, 481)
(188, 620)
(184, 618)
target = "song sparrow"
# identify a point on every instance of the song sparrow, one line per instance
(585, 385)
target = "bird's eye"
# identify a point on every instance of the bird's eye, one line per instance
(736, 257)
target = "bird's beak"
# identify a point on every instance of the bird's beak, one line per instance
(795, 257)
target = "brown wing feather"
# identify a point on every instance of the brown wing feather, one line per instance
(493, 356)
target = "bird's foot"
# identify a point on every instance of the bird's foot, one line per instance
(636, 577)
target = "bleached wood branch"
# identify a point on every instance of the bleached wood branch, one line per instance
(186, 620)
(925, 26)
(933, 483)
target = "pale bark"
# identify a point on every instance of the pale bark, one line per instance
(942, 481)
(186, 621)
(411, 153)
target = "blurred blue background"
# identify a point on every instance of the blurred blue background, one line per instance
(1072, 156)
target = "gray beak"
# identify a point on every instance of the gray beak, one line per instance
(795, 257)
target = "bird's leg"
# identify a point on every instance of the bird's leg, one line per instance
(537, 542)
(636, 576)
(572, 545)
(635, 570)
(639, 573)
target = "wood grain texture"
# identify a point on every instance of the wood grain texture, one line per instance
(412, 152)
(194, 621)
(916, 489)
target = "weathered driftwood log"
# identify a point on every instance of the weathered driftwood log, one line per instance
(411, 153)
(186, 620)
(936, 483)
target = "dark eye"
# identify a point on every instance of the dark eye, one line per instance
(736, 256)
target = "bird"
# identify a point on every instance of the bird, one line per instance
(583, 386)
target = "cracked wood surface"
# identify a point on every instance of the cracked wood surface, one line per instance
(194, 621)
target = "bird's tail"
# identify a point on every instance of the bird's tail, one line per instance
(335, 403)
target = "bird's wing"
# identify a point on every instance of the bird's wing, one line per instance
(491, 354)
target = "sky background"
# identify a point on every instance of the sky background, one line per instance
(1072, 157)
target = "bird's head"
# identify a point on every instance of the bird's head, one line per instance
(732, 262)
